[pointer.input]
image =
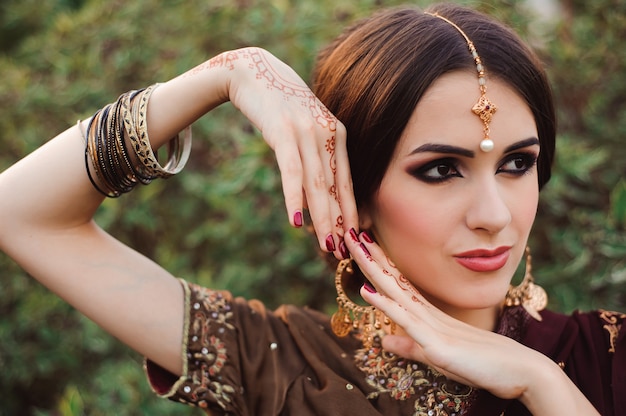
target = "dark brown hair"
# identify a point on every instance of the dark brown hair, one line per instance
(374, 74)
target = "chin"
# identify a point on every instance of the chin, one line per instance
(474, 298)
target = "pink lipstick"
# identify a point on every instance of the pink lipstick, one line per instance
(484, 260)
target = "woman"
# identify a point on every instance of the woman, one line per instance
(448, 136)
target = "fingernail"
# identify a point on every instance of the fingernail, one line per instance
(354, 235)
(367, 286)
(330, 243)
(365, 250)
(343, 250)
(366, 237)
(297, 219)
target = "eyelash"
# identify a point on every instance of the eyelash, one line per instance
(528, 160)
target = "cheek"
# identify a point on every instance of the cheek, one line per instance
(406, 221)
(524, 210)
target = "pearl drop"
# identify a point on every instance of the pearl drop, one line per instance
(486, 145)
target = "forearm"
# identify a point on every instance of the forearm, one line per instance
(182, 100)
(554, 394)
(50, 187)
(46, 226)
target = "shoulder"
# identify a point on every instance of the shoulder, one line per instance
(601, 331)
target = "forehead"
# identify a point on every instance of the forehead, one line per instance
(444, 114)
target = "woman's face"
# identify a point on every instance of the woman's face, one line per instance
(453, 219)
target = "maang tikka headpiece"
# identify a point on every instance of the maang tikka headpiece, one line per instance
(483, 108)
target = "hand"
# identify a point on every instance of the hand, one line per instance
(469, 355)
(309, 142)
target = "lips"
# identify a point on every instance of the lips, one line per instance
(483, 260)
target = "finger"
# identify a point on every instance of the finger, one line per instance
(331, 141)
(343, 180)
(341, 252)
(317, 192)
(382, 272)
(402, 283)
(291, 175)
(392, 283)
(418, 325)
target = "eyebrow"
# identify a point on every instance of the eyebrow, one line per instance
(455, 150)
(443, 148)
(523, 143)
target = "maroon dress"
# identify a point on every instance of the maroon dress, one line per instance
(241, 359)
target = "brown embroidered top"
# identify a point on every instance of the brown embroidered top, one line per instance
(241, 359)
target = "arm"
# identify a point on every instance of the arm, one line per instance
(47, 227)
(48, 202)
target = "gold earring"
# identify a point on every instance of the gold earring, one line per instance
(531, 296)
(366, 320)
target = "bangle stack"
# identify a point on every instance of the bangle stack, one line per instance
(118, 154)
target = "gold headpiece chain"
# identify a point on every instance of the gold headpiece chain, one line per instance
(483, 108)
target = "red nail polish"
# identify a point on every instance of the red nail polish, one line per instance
(343, 250)
(297, 219)
(365, 250)
(354, 235)
(330, 243)
(367, 286)
(367, 237)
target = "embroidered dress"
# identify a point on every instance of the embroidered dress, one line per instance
(241, 359)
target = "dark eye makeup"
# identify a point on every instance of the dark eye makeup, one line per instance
(447, 168)
(518, 164)
(437, 171)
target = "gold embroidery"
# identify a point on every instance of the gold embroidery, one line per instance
(402, 379)
(207, 354)
(613, 325)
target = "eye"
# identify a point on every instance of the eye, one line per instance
(518, 163)
(439, 170)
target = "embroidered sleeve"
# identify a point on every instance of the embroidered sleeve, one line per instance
(211, 377)
(232, 350)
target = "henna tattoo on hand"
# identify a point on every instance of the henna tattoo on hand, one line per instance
(339, 222)
(406, 285)
(330, 148)
(226, 59)
(403, 282)
(333, 192)
(319, 112)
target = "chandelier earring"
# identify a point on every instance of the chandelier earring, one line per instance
(365, 321)
(527, 294)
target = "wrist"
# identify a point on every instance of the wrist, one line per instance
(551, 392)
(179, 102)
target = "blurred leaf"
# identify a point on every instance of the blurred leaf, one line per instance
(618, 203)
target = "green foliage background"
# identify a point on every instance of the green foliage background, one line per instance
(222, 222)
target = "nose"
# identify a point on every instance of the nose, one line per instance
(488, 209)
